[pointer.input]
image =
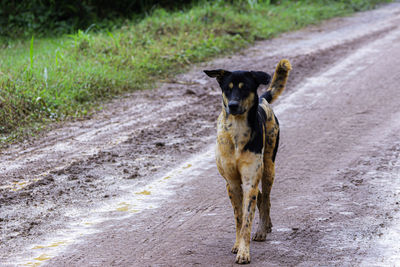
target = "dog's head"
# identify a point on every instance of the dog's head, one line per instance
(239, 88)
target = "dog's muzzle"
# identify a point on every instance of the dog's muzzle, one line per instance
(234, 108)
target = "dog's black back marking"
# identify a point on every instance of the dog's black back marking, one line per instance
(276, 141)
(276, 147)
(276, 120)
(256, 119)
(267, 96)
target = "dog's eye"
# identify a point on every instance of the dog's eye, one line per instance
(230, 85)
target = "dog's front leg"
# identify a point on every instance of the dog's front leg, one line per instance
(236, 196)
(251, 171)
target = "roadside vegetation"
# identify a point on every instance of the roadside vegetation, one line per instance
(65, 73)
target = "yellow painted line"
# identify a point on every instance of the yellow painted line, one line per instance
(43, 257)
(144, 192)
(188, 166)
(123, 208)
(32, 264)
(52, 245)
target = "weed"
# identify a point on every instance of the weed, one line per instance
(31, 55)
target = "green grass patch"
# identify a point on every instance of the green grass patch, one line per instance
(44, 80)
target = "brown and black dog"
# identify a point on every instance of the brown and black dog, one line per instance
(247, 143)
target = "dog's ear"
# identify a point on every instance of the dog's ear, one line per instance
(218, 74)
(261, 77)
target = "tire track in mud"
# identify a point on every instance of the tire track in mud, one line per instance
(144, 135)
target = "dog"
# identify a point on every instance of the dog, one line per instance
(247, 143)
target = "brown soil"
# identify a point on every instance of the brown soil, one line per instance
(73, 197)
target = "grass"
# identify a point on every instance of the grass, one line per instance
(54, 79)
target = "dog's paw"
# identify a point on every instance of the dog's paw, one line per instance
(260, 236)
(243, 257)
(235, 249)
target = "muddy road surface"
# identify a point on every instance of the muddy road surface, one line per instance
(136, 185)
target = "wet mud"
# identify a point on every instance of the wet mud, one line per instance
(336, 189)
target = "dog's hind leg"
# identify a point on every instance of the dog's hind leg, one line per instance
(263, 201)
(235, 194)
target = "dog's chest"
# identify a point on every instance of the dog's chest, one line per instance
(233, 134)
(232, 137)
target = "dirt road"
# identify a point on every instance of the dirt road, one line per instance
(137, 185)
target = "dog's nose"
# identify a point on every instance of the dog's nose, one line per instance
(233, 105)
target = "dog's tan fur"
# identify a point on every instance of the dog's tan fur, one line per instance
(243, 169)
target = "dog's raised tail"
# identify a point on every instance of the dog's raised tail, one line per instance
(278, 81)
